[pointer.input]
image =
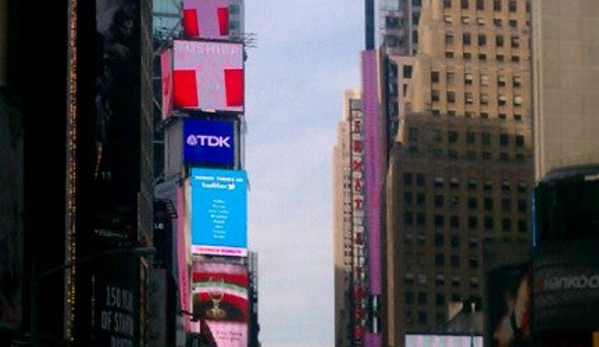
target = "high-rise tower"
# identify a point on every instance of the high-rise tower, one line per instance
(460, 169)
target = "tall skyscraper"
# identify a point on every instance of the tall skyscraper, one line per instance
(460, 169)
(566, 85)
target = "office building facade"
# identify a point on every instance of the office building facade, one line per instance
(460, 169)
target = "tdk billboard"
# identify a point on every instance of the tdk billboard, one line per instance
(218, 212)
(208, 142)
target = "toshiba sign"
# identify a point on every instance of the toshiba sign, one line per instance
(208, 142)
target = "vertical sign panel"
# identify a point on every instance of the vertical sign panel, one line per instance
(206, 19)
(208, 142)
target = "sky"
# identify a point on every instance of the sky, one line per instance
(307, 54)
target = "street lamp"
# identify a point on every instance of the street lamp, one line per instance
(37, 277)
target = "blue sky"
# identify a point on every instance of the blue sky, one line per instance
(307, 55)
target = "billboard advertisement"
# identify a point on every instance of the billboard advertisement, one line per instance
(220, 297)
(206, 19)
(208, 142)
(509, 316)
(166, 81)
(208, 76)
(218, 212)
(566, 287)
(117, 105)
(116, 303)
(418, 340)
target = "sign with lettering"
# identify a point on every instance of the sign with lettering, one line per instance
(116, 302)
(208, 142)
(218, 212)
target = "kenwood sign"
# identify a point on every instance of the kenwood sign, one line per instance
(571, 282)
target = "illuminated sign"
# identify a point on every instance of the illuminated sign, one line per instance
(206, 18)
(218, 212)
(207, 142)
(208, 76)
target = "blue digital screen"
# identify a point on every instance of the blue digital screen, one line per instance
(208, 142)
(218, 208)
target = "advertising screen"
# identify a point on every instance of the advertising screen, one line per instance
(509, 314)
(415, 340)
(218, 212)
(207, 19)
(208, 76)
(208, 142)
(220, 296)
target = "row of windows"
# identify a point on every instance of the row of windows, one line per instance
(512, 5)
(419, 179)
(455, 240)
(482, 40)
(483, 56)
(455, 281)
(471, 114)
(421, 298)
(470, 137)
(440, 200)
(469, 154)
(498, 22)
(450, 97)
(422, 317)
(488, 223)
(483, 80)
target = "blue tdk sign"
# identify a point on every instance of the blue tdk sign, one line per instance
(208, 142)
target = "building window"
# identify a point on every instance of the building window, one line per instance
(407, 71)
(440, 299)
(506, 205)
(513, 23)
(454, 183)
(439, 259)
(420, 180)
(439, 200)
(465, 20)
(470, 137)
(499, 57)
(512, 6)
(480, 21)
(484, 80)
(472, 203)
(449, 55)
(486, 138)
(439, 240)
(452, 136)
(447, 3)
(482, 56)
(517, 100)
(496, 5)
(468, 79)
(499, 41)
(434, 76)
(447, 19)
(519, 141)
(501, 81)
(517, 81)
(506, 224)
(450, 76)
(472, 184)
(440, 280)
(448, 38)
(522, 206)
(488, 204)
(467, 55)
(409, 297)
(488, 186)
(451, 96)
(465, 4)
(472, 222)
(501, 100)
(480, 5)
(438, 182)
(484, 99)
(488, 223)
(454, 261)
(435, 96)
(439, 220)
(515, 41)
(504, 140)
(454, 222)
(455, 241)
(466, 40)
(408, 178)
(482, 40)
